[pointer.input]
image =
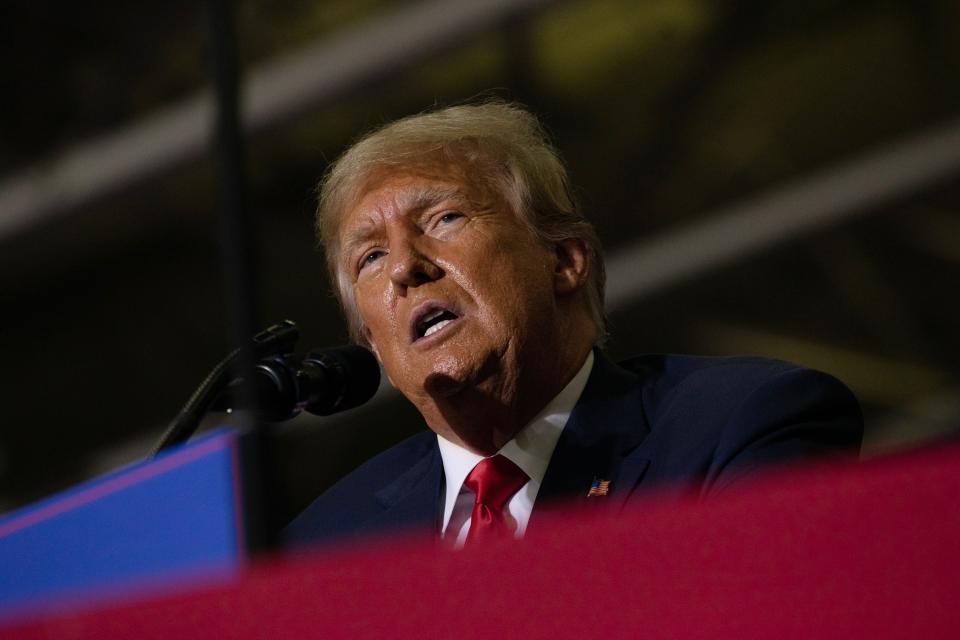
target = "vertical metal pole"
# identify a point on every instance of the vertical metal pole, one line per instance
(237, 246)
(236, 225)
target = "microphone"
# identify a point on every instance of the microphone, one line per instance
(326, 382)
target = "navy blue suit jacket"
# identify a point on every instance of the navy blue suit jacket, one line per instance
(683, 425)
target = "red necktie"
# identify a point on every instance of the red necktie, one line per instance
(493, 482)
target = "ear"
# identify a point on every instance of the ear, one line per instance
(572, 265)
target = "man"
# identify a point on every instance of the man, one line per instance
(461, 260)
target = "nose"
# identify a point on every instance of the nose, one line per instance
(409, 267)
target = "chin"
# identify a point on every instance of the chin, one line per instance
(453, 373)
(440, 385)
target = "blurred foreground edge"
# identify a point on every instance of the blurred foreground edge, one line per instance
(868, 550)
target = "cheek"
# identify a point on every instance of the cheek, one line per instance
(370, 306)
(513, 300)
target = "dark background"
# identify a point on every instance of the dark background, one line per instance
(668, 113)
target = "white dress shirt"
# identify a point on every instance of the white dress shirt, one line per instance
(531, 450)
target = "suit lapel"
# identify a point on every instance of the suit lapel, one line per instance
(600, 441)
(413, 498)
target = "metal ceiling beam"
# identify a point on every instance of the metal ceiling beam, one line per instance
(281, 89)
(274, 93)
(783, 214)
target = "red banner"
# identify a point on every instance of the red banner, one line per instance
(865, 551)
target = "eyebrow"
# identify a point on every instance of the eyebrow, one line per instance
(413, 204)
(428, 197)
(357, 236)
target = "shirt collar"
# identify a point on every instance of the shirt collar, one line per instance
(531, 449)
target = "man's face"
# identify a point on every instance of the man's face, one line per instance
(454, 292)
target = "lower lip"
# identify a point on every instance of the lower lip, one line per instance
(439, 334)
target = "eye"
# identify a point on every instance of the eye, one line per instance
(370, 257)
(445, 222)
(449, 217)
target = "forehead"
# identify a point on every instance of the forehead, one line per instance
(402, 194)
(408, 193)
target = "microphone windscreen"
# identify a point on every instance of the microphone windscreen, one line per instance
(340, 378)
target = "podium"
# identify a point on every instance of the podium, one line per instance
(175, 519)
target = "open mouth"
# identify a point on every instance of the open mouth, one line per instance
(432, 321)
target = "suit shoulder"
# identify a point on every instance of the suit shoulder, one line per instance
(345, 506)
(675, 369)
(383, 467)
(395, 460)
(713, 421)
(667, 372)
(685, 383)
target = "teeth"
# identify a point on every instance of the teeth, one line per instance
(430, 316)
(433, 329)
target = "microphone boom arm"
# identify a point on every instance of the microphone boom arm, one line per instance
(276, 339)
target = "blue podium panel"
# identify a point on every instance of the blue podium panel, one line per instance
(174, 517)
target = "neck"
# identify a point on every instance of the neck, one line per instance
(483, 420)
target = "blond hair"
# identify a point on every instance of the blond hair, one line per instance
(497, 146)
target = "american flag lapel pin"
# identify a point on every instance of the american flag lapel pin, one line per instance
(599, 488)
